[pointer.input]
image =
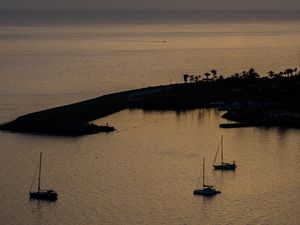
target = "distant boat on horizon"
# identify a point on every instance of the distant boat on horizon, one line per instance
(40, 194)
(223, 165)
(207, 190)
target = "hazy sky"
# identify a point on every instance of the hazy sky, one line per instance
(152, 4)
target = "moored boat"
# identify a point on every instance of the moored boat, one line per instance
(207, 190)
(223, 165)
(40, 194)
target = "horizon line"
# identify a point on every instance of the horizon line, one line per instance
(171, 10)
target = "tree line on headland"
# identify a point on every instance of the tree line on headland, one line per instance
(250, 74)
(252, 99)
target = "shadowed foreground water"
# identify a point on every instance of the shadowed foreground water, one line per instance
(145, 173)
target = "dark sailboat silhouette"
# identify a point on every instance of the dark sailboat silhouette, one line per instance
(50, 195)
(207, 190)
(223, 165)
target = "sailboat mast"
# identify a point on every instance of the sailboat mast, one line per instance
(222, 149)
(203, 171)
(40, 168)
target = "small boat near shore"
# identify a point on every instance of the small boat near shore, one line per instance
(40, 194)
(223, 165)
(207, 190)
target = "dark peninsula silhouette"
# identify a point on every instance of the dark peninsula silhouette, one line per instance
(248, 98)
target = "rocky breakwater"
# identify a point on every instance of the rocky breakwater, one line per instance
(70, 120)
(75, 119)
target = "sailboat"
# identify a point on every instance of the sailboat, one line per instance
(207, 190)
(223, 165)
(40, 194)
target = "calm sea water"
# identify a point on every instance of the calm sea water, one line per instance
(144, 173)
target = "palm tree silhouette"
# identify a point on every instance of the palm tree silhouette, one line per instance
(214, 73)
(207, 75)
(185, 78)
(192, 78)
(271, 74)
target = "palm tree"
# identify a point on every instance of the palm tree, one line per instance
(271, 74)
(295, 71)
(214, 73)
(251, 74)
(291, 72)
(192, 78)
(280, 74)
(185, 78)
(287, 72)
(207, 75)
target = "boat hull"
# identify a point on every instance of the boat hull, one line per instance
(206, 192)
(49, 195)
(227, 166)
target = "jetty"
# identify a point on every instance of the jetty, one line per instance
(74, 119)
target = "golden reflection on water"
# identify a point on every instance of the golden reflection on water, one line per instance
(146, 172)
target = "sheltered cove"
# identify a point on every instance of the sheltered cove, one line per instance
(250, 101)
